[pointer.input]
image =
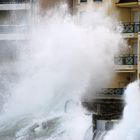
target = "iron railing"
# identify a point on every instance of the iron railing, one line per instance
(126, 60)
(13, 1)
(13, 28)
(127, 1)
(130, 27)
(111, 91)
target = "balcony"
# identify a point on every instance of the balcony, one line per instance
(13, 32)
(13, 1)
(126, 63)
(126, 60)
(130, 27)
(110, 93)
(107, 103)
(128, 3)
(13, 28)
(15, 4)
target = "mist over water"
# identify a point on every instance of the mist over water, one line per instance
(63, 61)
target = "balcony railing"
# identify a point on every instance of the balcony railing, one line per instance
(13, 1)
(127, 1)
(130, 27)
(126, 60)
(111, 92)
(4, 29)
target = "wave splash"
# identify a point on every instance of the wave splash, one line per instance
(62, 60)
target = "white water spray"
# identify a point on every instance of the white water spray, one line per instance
(129, 126)
(58, 65)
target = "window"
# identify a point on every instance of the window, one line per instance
(83, 0)
(98, 0)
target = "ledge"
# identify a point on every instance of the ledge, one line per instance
(14, 36)
(128, 4)
(125, 68)
(25, 6)
(130, 35)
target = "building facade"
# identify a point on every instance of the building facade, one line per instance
(14, 17)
